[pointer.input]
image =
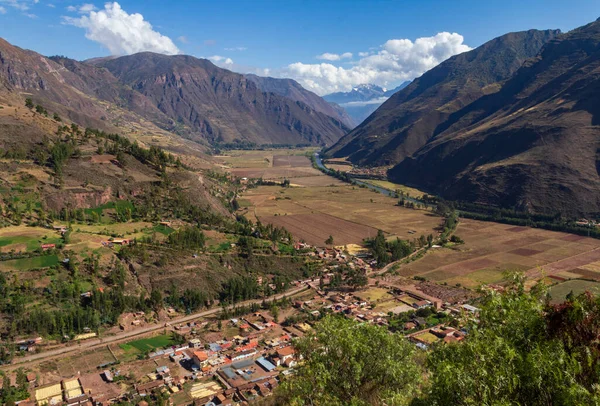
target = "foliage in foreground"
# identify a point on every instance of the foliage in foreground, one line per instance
(346, 363)
(523, 351)
(517, 354)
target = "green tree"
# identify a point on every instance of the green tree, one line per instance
(329, 241)
(275, 312)
(513, 357)
(346, 363)
(156, 300)
(29, 103)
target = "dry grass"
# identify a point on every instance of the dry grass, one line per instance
(341, 168)
(412, 192)
(374, 294)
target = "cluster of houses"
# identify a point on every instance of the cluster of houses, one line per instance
(228, 370)
(236, 369)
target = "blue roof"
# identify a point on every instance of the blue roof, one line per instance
(265, 364)
(214, 347)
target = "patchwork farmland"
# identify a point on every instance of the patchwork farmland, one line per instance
(492, 248)
(270, 164)
(321, 206)
(348, 213)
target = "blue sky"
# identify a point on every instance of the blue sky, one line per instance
(284, 38)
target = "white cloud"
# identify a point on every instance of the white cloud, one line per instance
(396, 60)
(30, 15)
(379, 100)
(22, 5)
(122, 33)
(86, 8)
(363, 54)
(2, 10)
(83, 9)
(220, 60)
(334, 57)
(235, 49)
(183, 39)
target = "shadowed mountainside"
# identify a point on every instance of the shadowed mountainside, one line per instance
(533, 145)
(409, 119)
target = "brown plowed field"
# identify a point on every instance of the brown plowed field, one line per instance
(292, 161)
(314, 229)
(491, 248)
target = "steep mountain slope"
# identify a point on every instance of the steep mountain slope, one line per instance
(23, 71)
(153, 94)
(533, 145)
(409, 119)
(363, 100)
(100, 83)
(293, 90)
(219, 105)
(86, 95)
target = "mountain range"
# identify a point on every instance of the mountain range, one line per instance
(514, 123)
(179, 94)
(362, 100)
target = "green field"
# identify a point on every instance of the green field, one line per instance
(559, 292)
(110, 206)
(23, 238)
(148, 344)
(162, 229)
(25, 264)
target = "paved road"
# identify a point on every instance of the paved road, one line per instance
(102, 341)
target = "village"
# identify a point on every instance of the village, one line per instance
(217, 361)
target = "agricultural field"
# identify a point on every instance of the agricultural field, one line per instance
(559, 292)
(338, 167)
(84, 239)
(275, 164)
(338, 164)
(25, 264)
(81, 363)
(490, 249)
(26, 239)
(259, 158)
(312, 181)
(348, 213)
(412, 192)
